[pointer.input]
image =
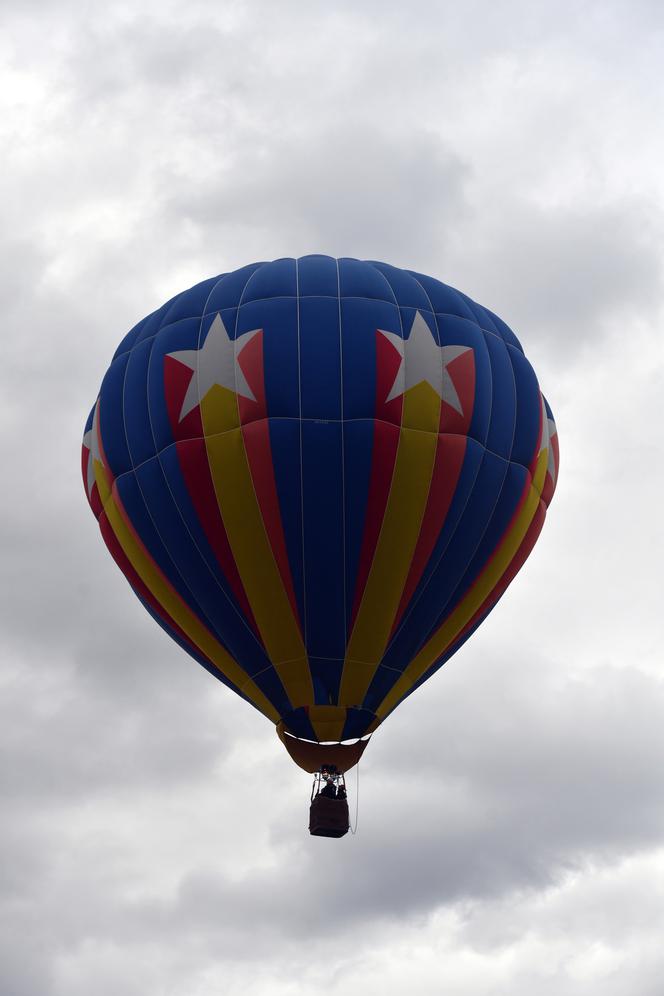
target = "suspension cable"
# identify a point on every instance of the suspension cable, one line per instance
(353, 830)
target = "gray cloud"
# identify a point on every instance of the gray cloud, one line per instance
(154, 834)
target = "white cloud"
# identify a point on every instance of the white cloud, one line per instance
(510, 813)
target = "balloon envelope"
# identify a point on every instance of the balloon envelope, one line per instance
(319, 476)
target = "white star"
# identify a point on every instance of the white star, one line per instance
(91, 440)
(214, 363)
(422, 359)
(548, 432)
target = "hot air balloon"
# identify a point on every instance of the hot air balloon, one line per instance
(319, 476)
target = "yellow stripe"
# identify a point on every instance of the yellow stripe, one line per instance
(253, 556)
(409, 492)
(328, 721)
(466, 609)
(173, 604)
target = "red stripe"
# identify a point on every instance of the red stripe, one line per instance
(93, 498)
(256, 436)
(462, 374)
(384, 454)
(250, 362)
(450, 453)
(85, 457)
(388, 362)
(195, 467)
(177, 377)
(550, 482)
(538, 448)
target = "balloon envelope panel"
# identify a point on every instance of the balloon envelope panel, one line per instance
(319, 476)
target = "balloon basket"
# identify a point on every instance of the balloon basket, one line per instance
(328, 814)
(328, 817)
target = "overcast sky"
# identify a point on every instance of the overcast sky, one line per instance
(511, 814)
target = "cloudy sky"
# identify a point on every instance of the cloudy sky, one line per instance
(511, 814)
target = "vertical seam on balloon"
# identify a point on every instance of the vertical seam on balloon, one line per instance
(251, 478)
(389, 491)
(343, 459)
(433, 465)
(299, 396)
(514, 392)
(516, 395)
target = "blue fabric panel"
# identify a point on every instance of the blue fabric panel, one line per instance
(456, 545)
(481, 317)
(320, 358)
(516, 479)
(111, 421)
(271, 686)
(358, 449)
(433, 605)
(322, 471)
(132, 498)
(140, 439)
(152, 324)
(381, 683)
(190, 303)
(360, 320)
(505, 331)
(407, 289)
(132, 335)
(528, 409)
(470, 470)
(228, 289)
(278, 319)
(326, 676)
(297, 722)
(191, 525)
(444, 300)
(285, 445)
(503, 401)
(276, 279)
(359, 279)
(357, 722)
(317, 276)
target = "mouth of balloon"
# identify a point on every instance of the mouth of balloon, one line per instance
(329, 723)
(311, 755)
